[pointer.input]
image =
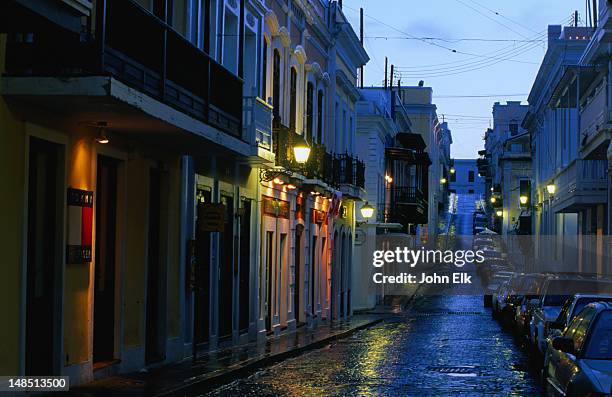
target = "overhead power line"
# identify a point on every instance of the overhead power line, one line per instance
(503, 16)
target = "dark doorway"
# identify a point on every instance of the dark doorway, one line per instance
(296, 285)
(42, 266)
(245, 266)
(104, 282)
(202, 276)
(226, 274)
(342, 274)
(269, 264)
(334, 278)
(313, 267)
(156, 280)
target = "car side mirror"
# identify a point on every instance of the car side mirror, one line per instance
(565, 345)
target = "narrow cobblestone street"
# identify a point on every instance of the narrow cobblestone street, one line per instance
(441, 345)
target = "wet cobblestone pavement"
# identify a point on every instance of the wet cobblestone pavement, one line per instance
(442, 345)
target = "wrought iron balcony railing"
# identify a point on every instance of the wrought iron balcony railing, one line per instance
(330, 168)
(144, 52)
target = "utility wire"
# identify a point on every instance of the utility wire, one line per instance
(502, 16)
(492, 19)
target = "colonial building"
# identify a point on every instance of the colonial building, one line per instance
(381, 118)
(507, 147)
(465, 178)
(418, 102)
(568, 190)
(160, 198)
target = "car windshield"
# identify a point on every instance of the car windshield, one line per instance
(582, 302)
(600, 342)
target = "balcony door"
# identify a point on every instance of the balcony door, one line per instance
(43, 252)
(105, 265)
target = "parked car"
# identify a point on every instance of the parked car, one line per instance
(555, 291)
(519, 286)
(505, 294)
(570, 308)
(579, 362)
(493, 285)
(524, 306)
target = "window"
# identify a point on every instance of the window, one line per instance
(293, 99)
(513, 129)
(471, 191)
(320, 117)
(470, 176)
(276, 83)
(309, 111)
(264, 67)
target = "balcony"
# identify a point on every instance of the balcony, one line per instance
(351, 176)
(582, 184)
(141, 51)
(595, 119)
(343, 172)
(257, 122)
(407, 206)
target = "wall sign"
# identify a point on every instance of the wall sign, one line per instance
(79, 224)
(318, 216)
(276, 208)
(211, 217)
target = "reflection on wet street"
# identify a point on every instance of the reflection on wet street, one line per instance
(441, 345)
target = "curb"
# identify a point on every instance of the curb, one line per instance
(206, 383)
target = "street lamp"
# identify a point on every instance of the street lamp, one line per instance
(443, 180)
(102, 137)
(523, 200)
(493, 200)
(452, 170)
(367, 211)
(550, 188)
(499, 213)
(301, 151)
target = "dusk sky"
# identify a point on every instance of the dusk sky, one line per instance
(499, 46)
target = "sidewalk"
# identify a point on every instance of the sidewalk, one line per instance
(213, 369)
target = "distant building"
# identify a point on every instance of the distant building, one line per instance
(507, 147)
(465, 179)
(418, 101)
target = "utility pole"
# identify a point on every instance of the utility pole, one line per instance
(576, 18)
(386, 61)
(361, 39)
(594, 10)
(391, 78)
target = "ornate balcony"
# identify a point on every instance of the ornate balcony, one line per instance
(582, 184)
(595, 123)
(337, 171)
(140, 50)
(407, 206)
